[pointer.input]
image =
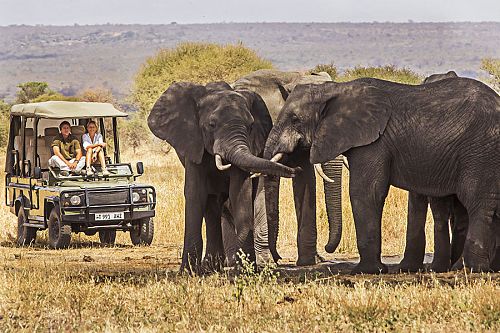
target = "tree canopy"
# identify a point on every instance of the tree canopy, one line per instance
(193, 62)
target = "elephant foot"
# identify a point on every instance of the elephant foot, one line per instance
(440, 266)
(370, 268)
(476, 259)
(306, 261)
(211, 264)
(410, 266)
(264, 259)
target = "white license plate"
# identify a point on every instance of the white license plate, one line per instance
(109, 216)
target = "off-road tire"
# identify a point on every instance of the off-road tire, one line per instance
(143, 232)
(59, 232)
(107, 237)
(25, 235)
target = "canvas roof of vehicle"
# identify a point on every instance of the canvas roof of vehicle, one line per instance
(62, 109)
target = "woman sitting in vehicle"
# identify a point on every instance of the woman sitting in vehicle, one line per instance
(94, 144)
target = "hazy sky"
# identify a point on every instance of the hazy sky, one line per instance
(68, 12)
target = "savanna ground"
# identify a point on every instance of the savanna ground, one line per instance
(125, 288)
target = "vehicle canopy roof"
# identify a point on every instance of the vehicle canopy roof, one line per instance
(63, 109)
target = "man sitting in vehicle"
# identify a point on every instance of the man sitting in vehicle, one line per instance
(68, 155)
(94, 144)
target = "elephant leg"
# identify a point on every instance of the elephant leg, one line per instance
(333, 200)
(261, 235)
(495, 263)
(229, 235)
(442, 248)
(304, 193)
(214, 252)
(479, 244)
(413, 259)
(368, 188)
(459, 226)
(240, 196)
(195, 193)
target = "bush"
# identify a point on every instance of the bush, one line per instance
(389, 73)
(32, 90)
(328, 68)
(97, 95)
(53, 96)
(194, 62)
(134, 132)
(4, 123)
(492, 66)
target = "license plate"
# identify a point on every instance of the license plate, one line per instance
(109, 216)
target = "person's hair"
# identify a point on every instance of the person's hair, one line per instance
(64, 123)
(91, 122)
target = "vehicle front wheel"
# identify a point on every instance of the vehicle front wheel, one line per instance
(143, 231)
(59, 232)
(107, 237)
(25, 235)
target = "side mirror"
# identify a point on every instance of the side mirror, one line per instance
(140, 168)
(38, 173)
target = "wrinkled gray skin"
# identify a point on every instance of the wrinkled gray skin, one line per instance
(274, 87)
(447, 212)
(200, 122)
(436, 139)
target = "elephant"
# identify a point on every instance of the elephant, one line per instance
(274, 87)
(436, 139)
(218, 134)
(447, 211)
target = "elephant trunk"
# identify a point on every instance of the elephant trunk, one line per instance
(239, 153)
(333, 200)
(272, 188)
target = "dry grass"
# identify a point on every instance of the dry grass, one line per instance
(90, 288)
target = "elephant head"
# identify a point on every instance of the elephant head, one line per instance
(325, 120)
(231, 125)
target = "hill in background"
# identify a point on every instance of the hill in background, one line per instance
(73, 58)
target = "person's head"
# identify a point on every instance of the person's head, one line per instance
(92, 127)
(65, 128)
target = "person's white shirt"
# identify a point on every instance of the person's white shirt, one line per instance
(87, 141)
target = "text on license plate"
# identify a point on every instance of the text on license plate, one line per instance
(109, 216)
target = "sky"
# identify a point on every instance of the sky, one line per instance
(69, 12)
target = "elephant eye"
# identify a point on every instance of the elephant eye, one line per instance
(211, 123)
(295, 119)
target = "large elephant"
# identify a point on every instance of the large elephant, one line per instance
(208, 125)
(274, 87)
(436, 139)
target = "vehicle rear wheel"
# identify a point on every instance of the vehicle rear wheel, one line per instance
(107, 237)
(59, 232)
(143, 232)
(25, 235)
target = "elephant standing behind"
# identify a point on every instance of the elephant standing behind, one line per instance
(209, 126)
(436, 139)
(274, 87)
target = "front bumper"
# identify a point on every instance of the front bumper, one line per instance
(83, 217)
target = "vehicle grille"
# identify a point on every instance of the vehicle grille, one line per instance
(108, 197)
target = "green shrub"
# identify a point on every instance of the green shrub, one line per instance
(29, 91)
(389, 73)
(54, 96)
(4, 123)
(134, 132)
(194, 62)
(328, 68)
(492, 66)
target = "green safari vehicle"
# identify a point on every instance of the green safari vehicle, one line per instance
(43, 198)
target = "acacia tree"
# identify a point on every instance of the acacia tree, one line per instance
(29, 91)
(194, 62)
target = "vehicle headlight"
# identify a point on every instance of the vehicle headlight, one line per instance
(75, 200)
(140, 195)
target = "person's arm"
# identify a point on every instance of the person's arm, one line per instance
(57, 152)
(100, 141)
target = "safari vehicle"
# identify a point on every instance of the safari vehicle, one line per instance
(43, 198)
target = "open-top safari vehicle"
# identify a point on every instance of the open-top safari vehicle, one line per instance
(43, 197)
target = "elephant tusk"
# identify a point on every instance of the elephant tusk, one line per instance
(319, 170)
(346, 163)
(275, 159)
(219, 164)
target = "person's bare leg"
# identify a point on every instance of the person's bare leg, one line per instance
(88, 161)
(102, 160)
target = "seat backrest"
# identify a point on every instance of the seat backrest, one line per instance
(49, 135)
(78, 131)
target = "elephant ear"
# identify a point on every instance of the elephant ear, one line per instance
(354, 114)
(262, 122)
(178, 120)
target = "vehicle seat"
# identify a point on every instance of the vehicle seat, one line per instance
(78, 131)
(44, 146)
(29, 144)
